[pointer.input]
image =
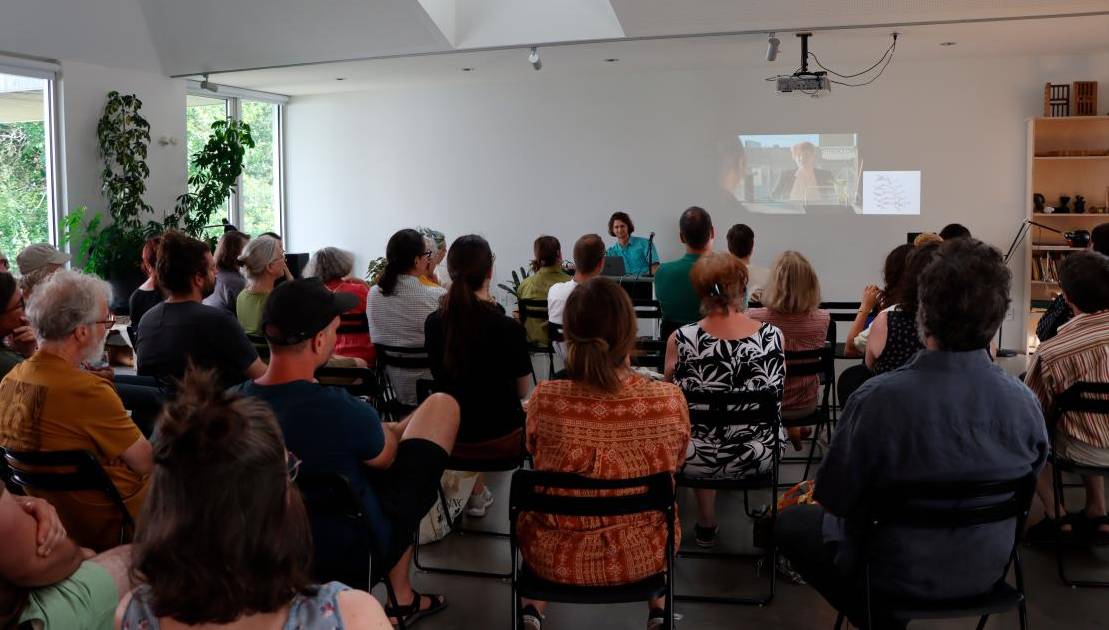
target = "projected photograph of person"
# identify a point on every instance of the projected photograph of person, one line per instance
(795, 173)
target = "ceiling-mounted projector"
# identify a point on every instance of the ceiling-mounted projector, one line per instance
(811, 83)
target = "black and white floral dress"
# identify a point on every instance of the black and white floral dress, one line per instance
(708, 364)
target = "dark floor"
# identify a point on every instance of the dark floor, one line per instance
(481, 603)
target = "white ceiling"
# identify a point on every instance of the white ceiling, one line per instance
(845, 51)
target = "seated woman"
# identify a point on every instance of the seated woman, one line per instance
(334, 267)
(437, 275)
(792, 303)
(893, 272)
(147, 295)
(894, 338)
(229, 281)
(605, 422)
(548, 272)
(219, 455)
(13, 322)
(480, 357)
(263, 260)
(724, 352)
(398, 306)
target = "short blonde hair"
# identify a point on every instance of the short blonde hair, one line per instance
(794, 287)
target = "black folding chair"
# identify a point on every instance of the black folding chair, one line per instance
(738, 408)
(532, 492)
(329, 495)
(820, 363)
(401, 358)
(65, 471)
(1082, 397)
(366, 383)
(841, 312)
(948, 506)
(650, 353)
(537, 310)
(650, 310)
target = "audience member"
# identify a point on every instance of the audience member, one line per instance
(639, 254)
(229, 280)
(893, 273)
(1059, 311)
(725, 351)
(604, 422)
(36, 262)
(547, 268)
(263, 260)
(480, 357)
(589, 260)
(894, 338)
(1076, 354)
(398, 306)
(13, 323)
(147, 296)
(181, 329)
(792, 304)
(334, 267)
(224, 540)
(5, 265)
(948, 415)
(954, 230)
(926, 238)
(680, 303)
(51, 404)
(394, 468)
(741, 243)
(437, 243)
(49, 582)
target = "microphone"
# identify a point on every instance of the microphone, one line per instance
(650, 247)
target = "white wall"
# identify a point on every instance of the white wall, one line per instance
(84, 92)
(558, 154)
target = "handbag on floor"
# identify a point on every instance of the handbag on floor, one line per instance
(457, 487)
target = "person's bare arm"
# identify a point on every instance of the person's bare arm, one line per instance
(870, 297)
(876, 343)
(523, 384)
(388, 454)
(671, 362)
(139, 457)
(20, 564)
(256, 369)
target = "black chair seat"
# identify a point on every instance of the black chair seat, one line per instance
(817, 417)
(533, 587)
(466, 464)
(754, 482)
(1002, 599)
(1066, 465)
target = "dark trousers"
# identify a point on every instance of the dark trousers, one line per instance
(143, 397)
(800, 539)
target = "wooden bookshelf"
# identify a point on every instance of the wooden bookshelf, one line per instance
(1066, 156)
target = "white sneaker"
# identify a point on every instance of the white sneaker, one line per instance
(478, 504)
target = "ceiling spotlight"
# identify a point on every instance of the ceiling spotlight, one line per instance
(948, 43)
(772, 46)
(467, 69)
(340, 78)
(612, 59)
(533, 57)
(208, 86)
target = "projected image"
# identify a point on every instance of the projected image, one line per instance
(891, 192)
(798, 170)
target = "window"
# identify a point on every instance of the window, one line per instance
(27, 210)
(257, 203)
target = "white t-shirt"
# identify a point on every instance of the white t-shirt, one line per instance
(556, 304)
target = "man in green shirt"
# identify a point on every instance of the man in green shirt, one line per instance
(673, 288)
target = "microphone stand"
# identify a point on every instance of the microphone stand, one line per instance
(650, 248)
(1022, 233)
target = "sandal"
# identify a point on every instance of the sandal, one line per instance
(411, 613)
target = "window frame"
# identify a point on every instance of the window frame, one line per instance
(233, 97)
(49, 71)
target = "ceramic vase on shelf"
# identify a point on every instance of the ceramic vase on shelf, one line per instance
(1079, 204)
(1062, 207)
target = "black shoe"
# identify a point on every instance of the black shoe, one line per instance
(705, 536)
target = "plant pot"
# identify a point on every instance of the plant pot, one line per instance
(124, 284)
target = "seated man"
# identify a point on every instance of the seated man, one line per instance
(46, 580)
(589, 260)
(680, 303)
(1076, 353)
(393, 467)
(181, 329)
(49, 403)
(947, 415)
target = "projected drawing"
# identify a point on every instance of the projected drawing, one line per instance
(891, 192)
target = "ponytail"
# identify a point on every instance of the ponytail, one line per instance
(600, 330)
(402, 249)
(469, 263)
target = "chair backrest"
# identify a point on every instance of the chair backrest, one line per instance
(358, 381)
(353, 324)
(734, 408)
(328, 493)
(647, 309)
(820, 361)
(532, 309)
(650, 353)
(406, 357)
(951, 504)
(554, 332)
(841, 311)
(1084, 397)
(531, 493)
(261, 345)
(64, 471)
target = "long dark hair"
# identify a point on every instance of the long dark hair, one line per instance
(600, 333)
(223, 533)
(908, 292)
(893, 272)
(469, 263)
(400, 252)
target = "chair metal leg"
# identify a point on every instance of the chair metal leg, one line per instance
(1057, 482)
(455, 529)
(982, 621)
(839, 621)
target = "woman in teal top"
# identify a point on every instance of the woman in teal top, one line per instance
(639, 254)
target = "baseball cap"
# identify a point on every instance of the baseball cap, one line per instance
(296, 311)
(36, 256)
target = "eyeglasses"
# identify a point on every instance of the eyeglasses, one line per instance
(108, 323)
(427, 253)
(292, 465)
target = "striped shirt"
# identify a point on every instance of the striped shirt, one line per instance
(1079, 352)
(801, 331)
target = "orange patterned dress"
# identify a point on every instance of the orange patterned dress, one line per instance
(639, 430)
